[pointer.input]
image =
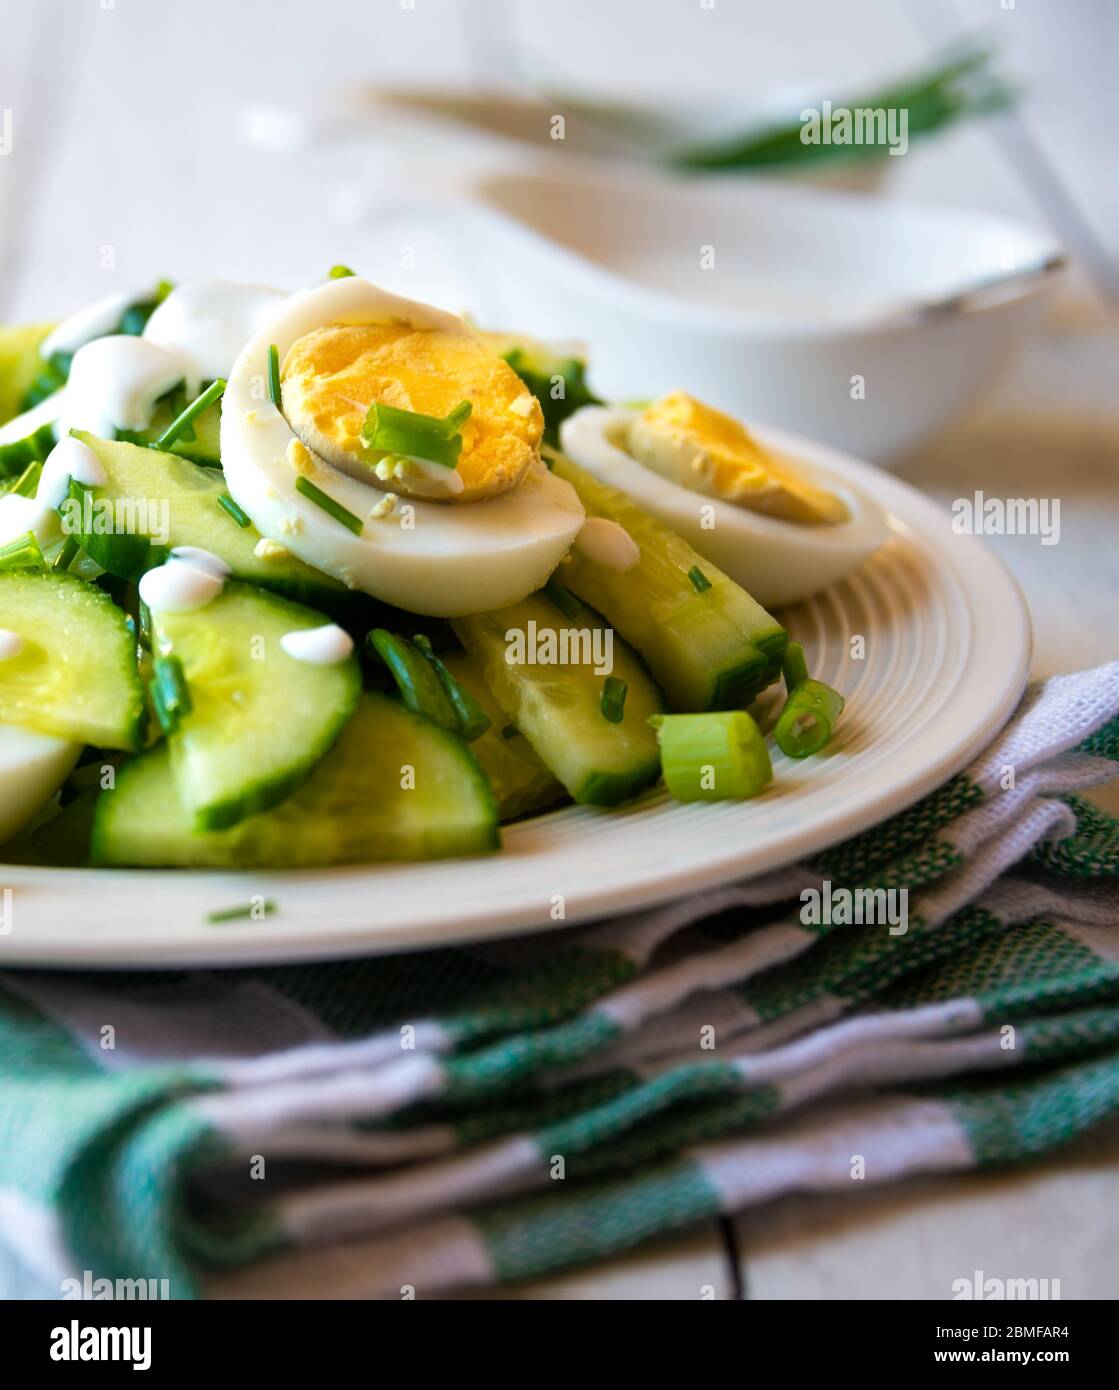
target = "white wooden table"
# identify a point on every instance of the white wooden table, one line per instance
(124, 166)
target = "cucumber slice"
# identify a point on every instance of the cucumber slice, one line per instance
(76, 675)
(359, 805)
(259, 719)
(558, 707)
(520, 781)
(20, 364)
(202, 440)
(710, 649)
(155, 501)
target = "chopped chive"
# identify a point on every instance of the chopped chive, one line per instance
(700, 581)
(414, 435)
(563, 598)
(66, 556)
(793, 667)
(472, 719)
(416, 678)
(25, 553)
(807, 718)
(716, 756)
(274, 374)
(614, 699)
(234, 914)
(169, 692)
(27, 484)
(181, 423)
(340, 272)
(328, 504)
(227, 504)
(510, 731)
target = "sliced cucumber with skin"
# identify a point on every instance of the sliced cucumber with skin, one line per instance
(75, 676)
(20, 364)
(394, 787)
(201, 441)
(147, 488)
(558, 707)
(715, 649)
(520, 781)
(259, 719)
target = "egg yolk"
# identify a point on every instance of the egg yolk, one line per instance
(331, 376)
(700, 448)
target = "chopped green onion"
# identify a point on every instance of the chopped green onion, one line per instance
(793, 667)
(717, 756)
(25, 553)
(145, 625)
(414, 435)
(27, 484)
(563, 598)
(328, 504)
(340, 272)
(274, 374)
(700, 581)
(227, 504)
(416, 678)
(66, 556)
(472, 719)
(510, 731)
(614, 699)
(15, 457)
(807, 718)
(235, 914)
(169, 691)
(182, 422)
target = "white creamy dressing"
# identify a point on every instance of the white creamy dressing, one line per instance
(115, 383)
(606, 543)
(318, 646)
(190, 579)
(208, 322)
(11, 644)
(94, 321)
(69, 458)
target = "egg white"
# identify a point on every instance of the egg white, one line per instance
(32, 768)
(777, 561)
(455, 560)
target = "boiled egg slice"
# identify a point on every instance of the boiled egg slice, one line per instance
(32, 768)
(780, 527)
(434, 540)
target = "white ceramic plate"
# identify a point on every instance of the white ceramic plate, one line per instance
(947, 647)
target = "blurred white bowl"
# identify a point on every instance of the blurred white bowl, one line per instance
(860, 321)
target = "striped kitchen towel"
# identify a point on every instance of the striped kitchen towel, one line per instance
(939, 993)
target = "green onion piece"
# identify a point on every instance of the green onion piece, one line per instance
(472, 719)
(414, 435)
(563, 598)
(807, 718)
(235, 914)
(169, 692)
(700, 581)
(614, 699)
(27, 484)
(416, 678)
(182, 422)
(510, 731)
(24, 553)
(793, 667)
(340, 272)
(718, 756)
(144, 633)
(15, 457)
(328, 504)
(274, 374)
(66, 556)
(227, 504)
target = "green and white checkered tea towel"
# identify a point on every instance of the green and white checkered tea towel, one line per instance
(939, 993)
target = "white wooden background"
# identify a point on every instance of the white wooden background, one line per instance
(125, 165)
